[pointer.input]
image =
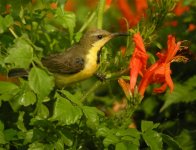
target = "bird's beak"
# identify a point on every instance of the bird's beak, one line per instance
(119, 34)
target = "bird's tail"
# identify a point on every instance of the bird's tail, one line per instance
(18, 72)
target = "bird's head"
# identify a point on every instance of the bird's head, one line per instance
(98, 37)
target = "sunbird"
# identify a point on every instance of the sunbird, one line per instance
(78, 62)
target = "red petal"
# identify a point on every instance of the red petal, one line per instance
(160, 89)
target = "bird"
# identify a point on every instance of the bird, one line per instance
(78, 62)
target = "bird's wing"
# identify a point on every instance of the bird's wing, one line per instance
(63, 64)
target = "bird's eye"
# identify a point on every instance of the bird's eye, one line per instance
(100, 36)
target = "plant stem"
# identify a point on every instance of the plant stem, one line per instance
(100, 12)
(13, 33)
(97, 84)
(92, 16)
(115, 75)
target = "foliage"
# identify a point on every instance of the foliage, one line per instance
(36, 115)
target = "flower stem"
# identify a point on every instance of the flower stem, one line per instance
(100, 12)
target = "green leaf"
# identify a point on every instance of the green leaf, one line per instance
(65, 112)
(111, 139)
(130, 135)
(186, 139)
(91, 114)
(59, 145)
(40, 146)
(21, 54)
(153, 139)
(1, 126)
(148, 125)
(28, 136)
(170, 142)
(7, 87)
(67, 141)
(10, 134)
(126, 146)
(40, 82)
(129, 132)
(185, 92)
(20, 122)
(66, 19)
(67, 137)
(2, 138)
(8, 90)
(5, 23)
(74, 98)
(42, 112)
(27, 98)
(102, 132)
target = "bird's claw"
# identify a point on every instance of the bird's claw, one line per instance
(101, 76)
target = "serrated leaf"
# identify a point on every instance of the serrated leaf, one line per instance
(40, 82)
(153, 139)
(171, 142)
(21, 54)
(148, 125)
(65, 112)
(92, 116)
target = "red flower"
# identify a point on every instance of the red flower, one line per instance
(191, 27)
(69, 5)
(138, 61)
(126, 88)
(180, 8)
(53, 5)
(133, 17)
(141, 6)
(160, 71)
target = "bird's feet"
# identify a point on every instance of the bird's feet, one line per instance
(101, 76)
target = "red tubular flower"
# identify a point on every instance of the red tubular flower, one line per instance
(160, 71)
(133, 17)
(138, 61)
(141, 6)
(125, 87)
